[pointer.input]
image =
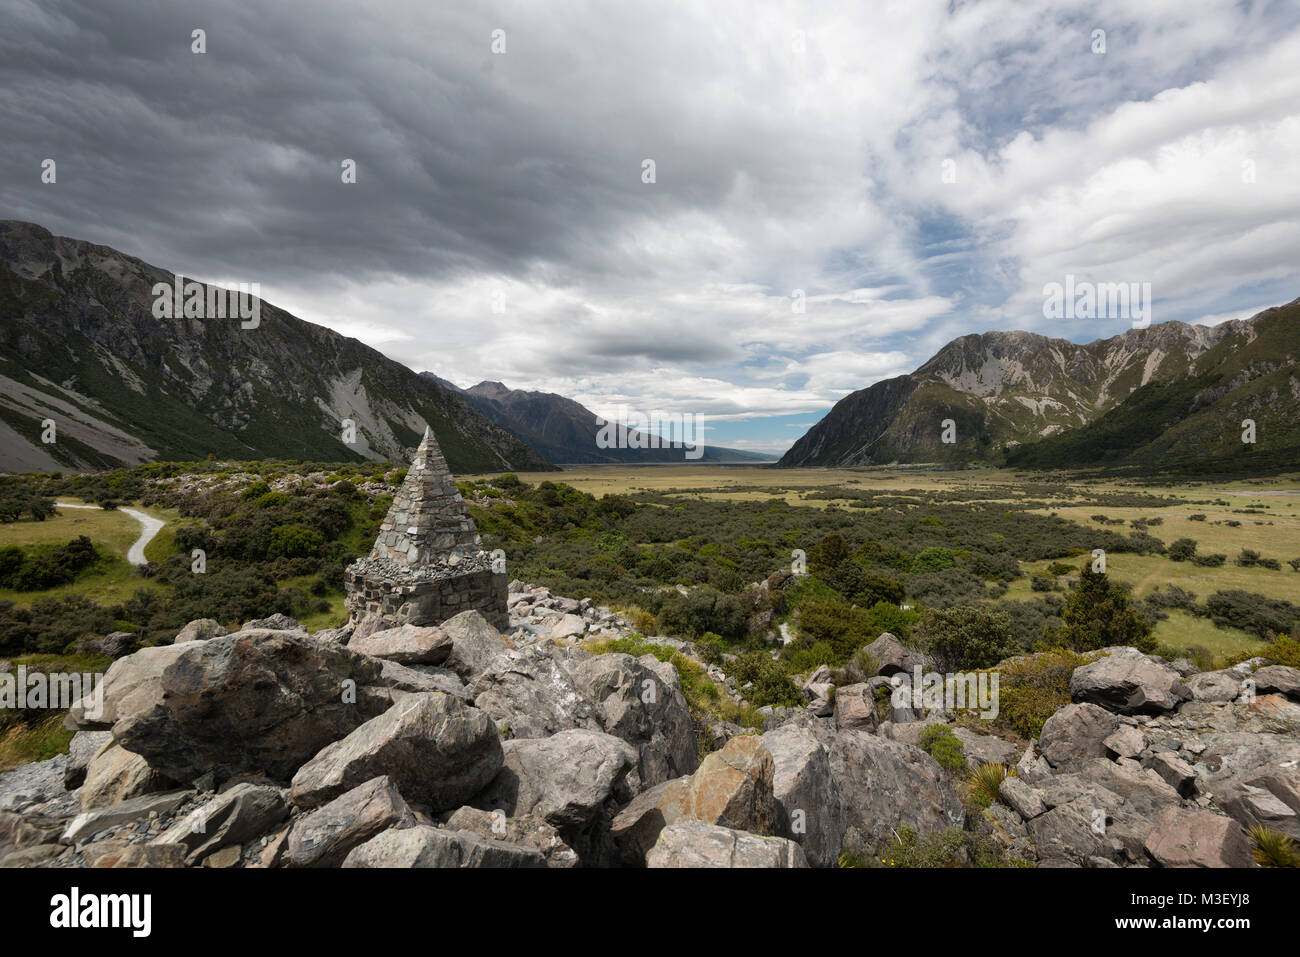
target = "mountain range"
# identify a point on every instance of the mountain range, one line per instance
(83, 346)
(1171, 395)
(80, 345)
(565, 431)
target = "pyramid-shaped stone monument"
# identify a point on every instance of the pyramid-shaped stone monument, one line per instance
(428, 563)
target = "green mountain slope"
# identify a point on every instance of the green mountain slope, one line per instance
(1196, 423)
(1000, 391)
(80, 345)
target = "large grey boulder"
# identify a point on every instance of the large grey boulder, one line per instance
(1076, 734)
(697, 844)
(565, 780)
(251, 702)
(530, 693)
(1128, 682)
(641, 701)
(1069, 833)
(1256, 805)
(1187, 838)
(523, 831)
(244, 812)
(422, 678)
(893, 656)
(885, 785)
(115, 774)
(1278, 679)
(474, 642)
(855, 709)
(437, 751)
(201, 629)
(425, 846)
(86, 825)
(809, 806)
(985, 748)
(129, 684)
(732, 787)
(1215, 686)
(406, 645)
(1021, 798)
(324, 837)
(636, 827)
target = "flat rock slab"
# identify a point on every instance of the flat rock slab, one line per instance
(697, 844)
(90, 823)
(1186, 838)
(324, 837)
(437, 751)
(425, 846)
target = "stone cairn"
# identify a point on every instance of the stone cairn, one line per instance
(428, 563)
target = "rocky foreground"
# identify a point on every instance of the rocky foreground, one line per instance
(456, 746)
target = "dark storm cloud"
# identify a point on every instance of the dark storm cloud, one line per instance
(230, 160)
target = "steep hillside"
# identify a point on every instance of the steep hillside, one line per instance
(1001, 390)
(1196, 422)
(79, 344)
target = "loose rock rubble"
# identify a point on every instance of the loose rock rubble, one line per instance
(458, 746)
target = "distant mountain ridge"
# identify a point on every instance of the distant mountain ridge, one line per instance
(79, 344)
(1247, 386)
(565, 431)
(1010, 392)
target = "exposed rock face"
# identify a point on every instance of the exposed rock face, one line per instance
(529, 694)
(243, 812)
(697, 844)
(472, 643)
(425, 846)
(885, 785)
(1184, 838)
(254, 701)
(1128, 682)
(731, 788)
(437, 751)
(279, 391)
(200, 629)
(406, 645)
(640, 701)
(81, 749)
(1075, 734)
(895, 657)
(855, 708)
(115, 774)
(809, 804)
(1278, 679)
(984, 748)
(523, 831)
(324, 837)
(564, 780)
(427, 564)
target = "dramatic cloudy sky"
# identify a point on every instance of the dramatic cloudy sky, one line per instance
(797, 146)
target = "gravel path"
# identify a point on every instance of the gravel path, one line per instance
(149, 527)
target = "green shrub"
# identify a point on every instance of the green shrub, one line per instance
(1033, 688)
(966, 637)
(1098, 615)
(771, 682)
(938, 741)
